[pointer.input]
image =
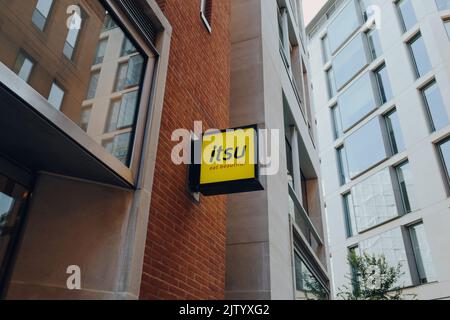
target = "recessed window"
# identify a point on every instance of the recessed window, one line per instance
(122, 112)
(326, 49)
(101, 50)
(444, 154)
(365, 148)
(394, 132)
(373, 38)
(56, 96)
(337, 122)
(343, 26)
(349, 215)
(343, 166)
(129, 73)
(406, 184)
(349, 61)
(128, 47)
(206, 13)
(72, 36)
(357, 101)
(331, 84)
(419, 55)
(422, 253)
(383, 83)
(24, 66)
(443, 4)
(407, 14)
(447, 27)
(93, 83)
(374, 201)
(41, 13)
(435, 106)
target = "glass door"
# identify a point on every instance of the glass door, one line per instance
(13, 197)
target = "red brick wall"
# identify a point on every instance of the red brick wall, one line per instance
(185, 248)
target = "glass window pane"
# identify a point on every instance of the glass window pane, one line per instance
(374, 201)
(121, 79)
(435, 105)
(101, 50)
(357, 101)
(41, 12)
(93, 85)
(305, 281)
(422, 254)
(407, 14)
(365, 148)
(350, 61)
(349, 215)
(90, 79)
(373, 38)
(343, 165)
(406, 184)
(395, 132)
(343, 26)
(443, 4)
(326, 49)
(331, 84)
(384, 85)
(337, 124)
(23, 66)
(420, 56)
(391, 245)
(447, 27)
(56, 96)
(444, 151)
(120, 147)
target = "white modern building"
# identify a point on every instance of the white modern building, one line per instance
(381, 87)
(275, 238)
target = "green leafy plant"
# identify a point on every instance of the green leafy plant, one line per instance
(372, 278)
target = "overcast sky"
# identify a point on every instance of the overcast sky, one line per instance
(311, 7)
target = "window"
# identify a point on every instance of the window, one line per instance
(391, 245)
(109, 23)
(406, 184)
(407, 15)
(206, 13)
(305, 281)
(447, 27)
(122, 112)
(444, 153)
(56, 96)
(419, 55)
(41, 13)
(72, 38)
(349, 215)
(337, 123)
(128, 47)
(364, 5)
(365, 148)
(374, 201)
(443, 4)
(101, 50)
(331, 84)
(435, 106)
(384, 85)
(349, 61)
(85, 118)
(326, 49)
(290, 166)
(129, 73)
(93, 83)
(394, 132)
(357, 101)
(23, 66)
(373, 38)
(343, 26)
(119, 146)
(343, 165)
(422, 253)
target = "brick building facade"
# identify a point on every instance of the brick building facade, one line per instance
(185, 247)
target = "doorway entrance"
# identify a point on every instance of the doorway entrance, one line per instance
(15, 186)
